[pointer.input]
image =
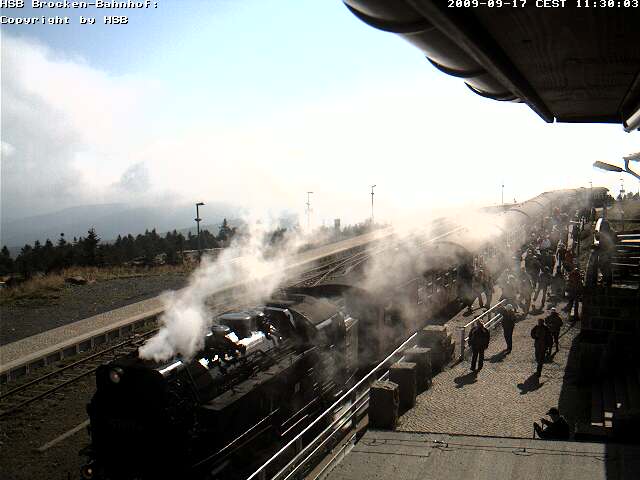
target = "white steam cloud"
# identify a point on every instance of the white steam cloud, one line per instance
(247, 263)
(255, 270)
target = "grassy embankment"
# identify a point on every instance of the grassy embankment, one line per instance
(48, 288)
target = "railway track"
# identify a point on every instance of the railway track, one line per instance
(44, 386)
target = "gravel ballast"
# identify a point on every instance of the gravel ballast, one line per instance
(75, 302)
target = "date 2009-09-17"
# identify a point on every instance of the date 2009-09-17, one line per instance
(543, 3)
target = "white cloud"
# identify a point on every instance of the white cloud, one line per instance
(68, 125)
(79, 135)
(6, 149)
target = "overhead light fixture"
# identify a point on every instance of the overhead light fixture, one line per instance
(632, 122)
(608, 167)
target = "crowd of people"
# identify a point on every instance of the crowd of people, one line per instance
(547, 266)
(546, 270)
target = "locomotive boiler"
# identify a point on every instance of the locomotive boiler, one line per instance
(261, 374)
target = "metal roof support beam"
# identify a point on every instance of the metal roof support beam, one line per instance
(464, 30)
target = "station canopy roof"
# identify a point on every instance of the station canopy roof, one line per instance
(568, 64)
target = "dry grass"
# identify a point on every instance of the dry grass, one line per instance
(49, 287)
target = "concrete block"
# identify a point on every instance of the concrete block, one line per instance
(432, 335)
(422, 358)
(384, 401)
(404, 375)
(448, 353)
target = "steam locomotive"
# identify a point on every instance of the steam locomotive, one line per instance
(263, 373)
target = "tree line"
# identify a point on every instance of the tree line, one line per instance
(91, 251)
(143, 249)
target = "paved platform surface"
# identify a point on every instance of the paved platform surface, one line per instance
(51, 339)
(505, 398)
(404, 456)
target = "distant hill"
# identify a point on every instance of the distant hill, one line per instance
(111, 220)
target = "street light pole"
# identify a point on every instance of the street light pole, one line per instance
(309, 211)
(502, 195)
(198, 220)
(591, 208)
(372, 187)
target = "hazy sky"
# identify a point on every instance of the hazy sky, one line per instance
(256, 102)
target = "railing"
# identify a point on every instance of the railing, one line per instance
(353, 401)
(493, 319)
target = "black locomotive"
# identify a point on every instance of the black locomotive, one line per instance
(261, 372)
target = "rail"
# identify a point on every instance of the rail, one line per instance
(352, 401)
(83, 367)
(493, 319)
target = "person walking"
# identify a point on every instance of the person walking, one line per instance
(508, 322)
(526, 291)
(478, 342)
(561, 251)
(541, 339)
(477, 288)
(509, 290)
(574, 286)
(487, 287)
(465, 279)
(554, 323)
(544, 279)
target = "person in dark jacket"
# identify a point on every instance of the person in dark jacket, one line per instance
(544, 279)
(574, 287)
(508, 322)
(476, 287)
(487, 287)
(509, 292)
(542, 338)
(478, 341)
(554, 322)
(465, 279)
(556, 429)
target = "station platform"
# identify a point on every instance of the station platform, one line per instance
(505, 397)
(20, 357)
(403, 455)
(36, 350)
(480, 426)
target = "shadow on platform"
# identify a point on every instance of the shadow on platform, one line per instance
(575, 399)
(468, 379)
(531, 384)
(498, 357)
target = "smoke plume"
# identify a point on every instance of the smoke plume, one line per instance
(247, 264)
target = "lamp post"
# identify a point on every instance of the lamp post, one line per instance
(309, 211)
(198, 220)
(591, 208)
(372, 187)
(635, 157)
(502, 194)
